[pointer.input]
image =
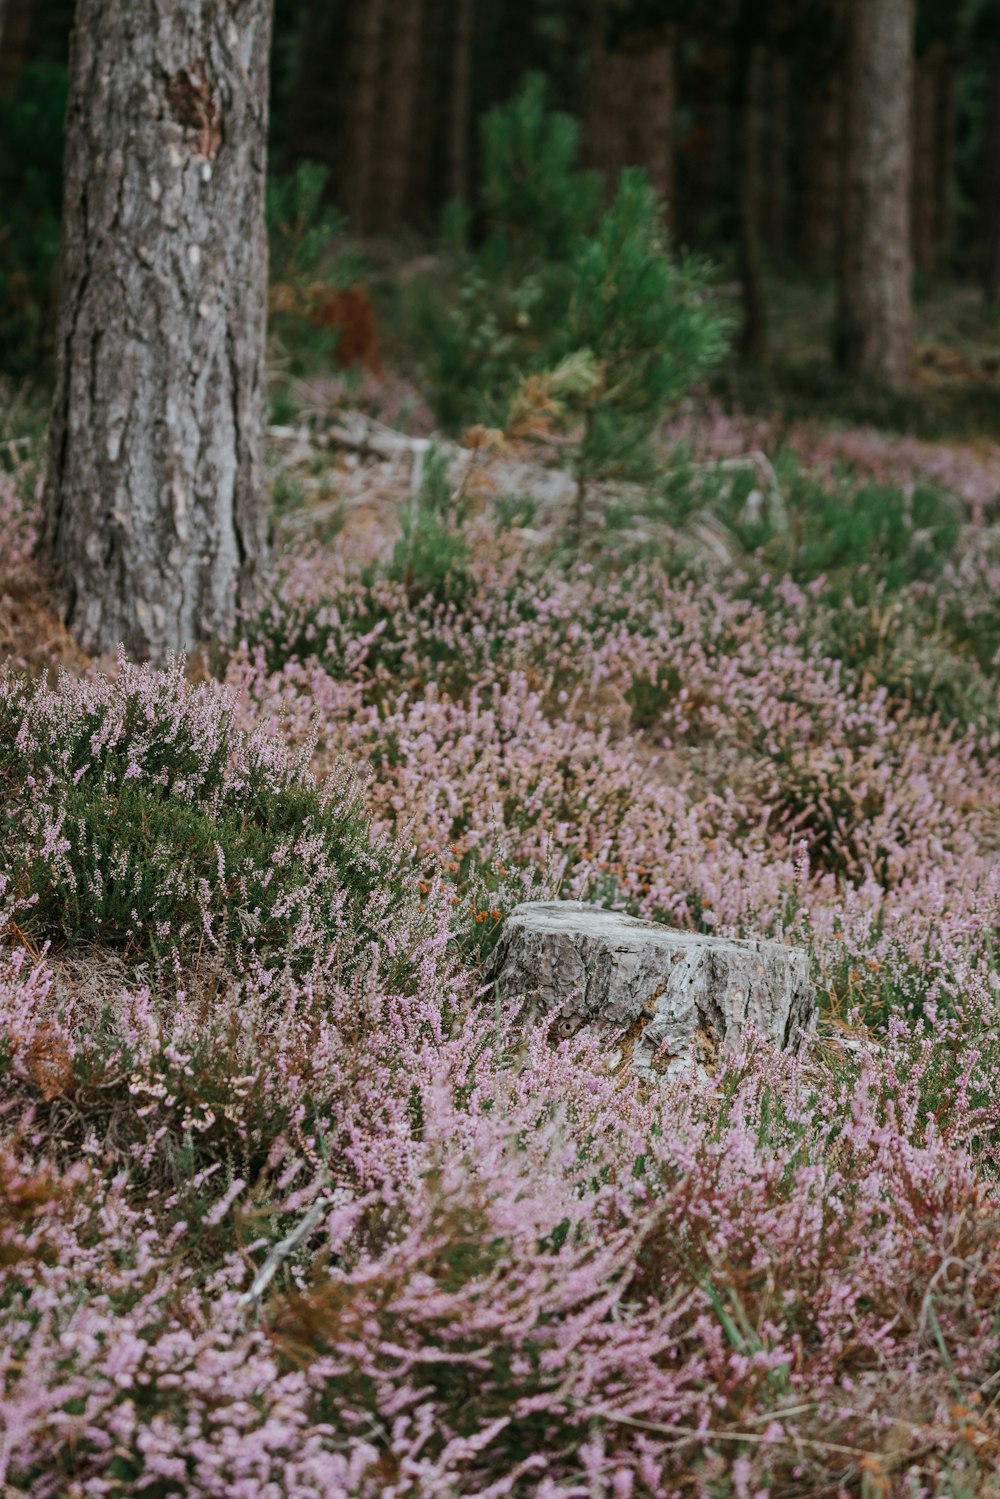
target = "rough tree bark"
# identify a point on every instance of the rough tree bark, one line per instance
(874, 323)
(155, 524)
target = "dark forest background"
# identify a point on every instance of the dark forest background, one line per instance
(737, 110)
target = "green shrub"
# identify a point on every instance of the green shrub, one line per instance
(307, 261)
(134, 815)
(567, 321)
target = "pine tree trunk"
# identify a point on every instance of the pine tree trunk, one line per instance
(749, 63)
(933, 161)
(319, 98)
(15, 36)
(655, 148)
(991, 193)
(360, 137)
(460, 102)
(632, 106)
(155, 524)
(945, 131)
(875, 333)
(775, 201)
(924, 142)
(398, 117)
(821, 174)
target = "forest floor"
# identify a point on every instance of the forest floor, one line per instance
(287, 1205)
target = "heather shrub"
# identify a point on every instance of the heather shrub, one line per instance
(135, 816)
(860, 538)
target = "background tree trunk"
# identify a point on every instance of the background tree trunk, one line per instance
(875, 335)
(155, 523)
(364, 59)
(775, 109)
(933, 161)
(460, 103)
(632, 106)
(991, 190)
(15, 38)
(821, 173)
(748, 76)
(403, 49)
(319, 97)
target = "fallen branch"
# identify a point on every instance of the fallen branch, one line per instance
(279, 1254)
(759, 464)
(363, 434)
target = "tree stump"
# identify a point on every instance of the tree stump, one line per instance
(666, 1000)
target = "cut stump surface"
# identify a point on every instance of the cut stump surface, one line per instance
(665, 999)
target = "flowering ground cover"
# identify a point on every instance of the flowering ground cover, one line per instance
(291, 1206)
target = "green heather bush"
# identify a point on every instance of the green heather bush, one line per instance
(133, 815)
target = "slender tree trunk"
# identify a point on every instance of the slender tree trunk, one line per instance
(398, 121)
(875, 332)
(923, 184)
(460, 101)
(821, 173)
(659, 116)
(933, 161)
(749, 62)
(631, 109)
(155, 524)
(991, 193)
(319, 98)
(944, 161)
(15, 37)
(775, 202)
(364, 52)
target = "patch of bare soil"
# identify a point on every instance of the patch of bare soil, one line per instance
(32, 636)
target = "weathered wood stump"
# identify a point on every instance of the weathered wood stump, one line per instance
(666, 1000)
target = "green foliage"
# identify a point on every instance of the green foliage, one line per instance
(862, 539)
(431, 556)
(135, 816)
(568, 321)
(535, 199)
(644, 319)
(307, 263)
(31, 143)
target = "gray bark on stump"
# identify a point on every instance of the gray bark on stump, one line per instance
(875, 318)
(664, 1000)
(155, 516)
